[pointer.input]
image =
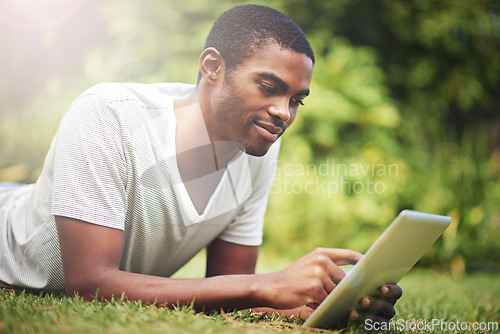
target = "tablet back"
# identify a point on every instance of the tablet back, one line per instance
(394, 253)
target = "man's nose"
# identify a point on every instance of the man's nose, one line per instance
(281, 110)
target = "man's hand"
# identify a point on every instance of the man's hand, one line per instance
(308, 280)
(302, 286)
(379, 308)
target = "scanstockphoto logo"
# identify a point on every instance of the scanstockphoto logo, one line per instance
(432, 325)
(332, 177)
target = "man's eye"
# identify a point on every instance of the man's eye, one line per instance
(268, 90)
(296, 101)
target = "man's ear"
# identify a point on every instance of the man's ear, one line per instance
(212, 65)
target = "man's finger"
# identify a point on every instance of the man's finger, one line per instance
(336, 274)
(330, 283)
(342, 256)
(391, 292)
(377, 307)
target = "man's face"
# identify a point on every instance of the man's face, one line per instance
(259, 99)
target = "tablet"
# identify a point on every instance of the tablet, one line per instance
(394, 253)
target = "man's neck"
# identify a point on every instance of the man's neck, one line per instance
(200, 160)
(193, 134)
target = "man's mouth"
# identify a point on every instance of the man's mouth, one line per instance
(269, 131)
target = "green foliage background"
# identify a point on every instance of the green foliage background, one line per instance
(404, 110)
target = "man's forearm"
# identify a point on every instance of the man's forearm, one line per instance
(226, 292)
(91, 256)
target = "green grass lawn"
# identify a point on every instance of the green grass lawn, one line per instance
(427, 295)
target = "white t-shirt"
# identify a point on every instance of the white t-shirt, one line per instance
(113, 163)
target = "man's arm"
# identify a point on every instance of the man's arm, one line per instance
(224, 258)
(91, 256)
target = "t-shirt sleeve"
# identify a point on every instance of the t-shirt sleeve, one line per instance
(247, 226)
(90, 165)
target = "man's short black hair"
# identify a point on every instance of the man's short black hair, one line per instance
(240, 31)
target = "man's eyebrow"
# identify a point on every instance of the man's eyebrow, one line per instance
(283, 85)
(271, 76)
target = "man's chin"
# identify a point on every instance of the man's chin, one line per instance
(258, 151)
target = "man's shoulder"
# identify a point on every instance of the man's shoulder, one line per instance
(113, 92)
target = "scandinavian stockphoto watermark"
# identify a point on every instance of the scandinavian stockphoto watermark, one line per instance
(426, 325)
(331, 177)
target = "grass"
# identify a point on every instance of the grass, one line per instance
(427, 295)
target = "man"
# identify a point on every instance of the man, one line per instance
(139, 178)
